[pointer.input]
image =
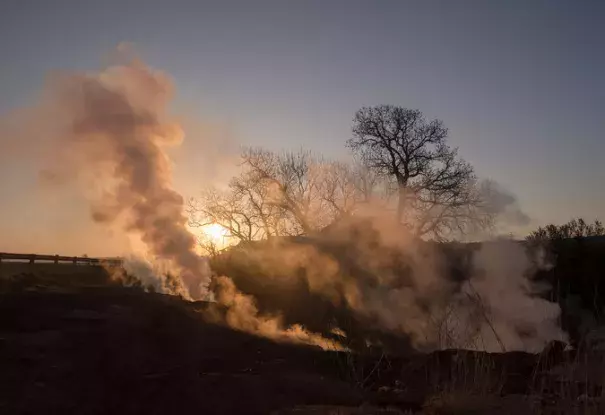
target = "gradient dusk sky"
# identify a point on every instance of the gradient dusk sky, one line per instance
(519, 83)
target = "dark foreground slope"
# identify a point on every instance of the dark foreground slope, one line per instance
(113, 350)
(105, 349)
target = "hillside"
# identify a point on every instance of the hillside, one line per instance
(103, 348)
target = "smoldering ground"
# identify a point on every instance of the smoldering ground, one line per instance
(380, 289)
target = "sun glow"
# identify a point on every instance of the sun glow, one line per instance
(215, 233)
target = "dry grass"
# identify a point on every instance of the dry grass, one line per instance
(574, 386)
(339, 410)
(461, 403)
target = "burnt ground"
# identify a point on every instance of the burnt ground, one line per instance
(108, 349)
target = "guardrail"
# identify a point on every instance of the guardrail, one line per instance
(57, 259)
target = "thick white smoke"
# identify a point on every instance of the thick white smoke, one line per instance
(512, 315)
(109, 132)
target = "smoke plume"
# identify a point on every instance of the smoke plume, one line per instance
(503, 205)
(369, 271)
(512, 316)
(242, 314)
(110, 132)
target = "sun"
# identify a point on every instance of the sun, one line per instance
(215, 233)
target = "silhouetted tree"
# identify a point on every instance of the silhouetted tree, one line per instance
(575, 228)
(293, 185)
(284, 194)
(239, 216)
(437, 192)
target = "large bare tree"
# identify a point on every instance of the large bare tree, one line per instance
(436, 190)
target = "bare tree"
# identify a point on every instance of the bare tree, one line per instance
(575, 228)
(338, 188)
(283, 194)
(436, 190)
(369, 185)
(292, 185)
(242, 214)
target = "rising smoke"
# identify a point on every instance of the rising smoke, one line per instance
(242, 314)
(503, 206)
(404, 287)
(512, 315)
(110, 132)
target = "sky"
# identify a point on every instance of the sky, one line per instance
(519, 84)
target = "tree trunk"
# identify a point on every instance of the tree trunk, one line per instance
(401, 202)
